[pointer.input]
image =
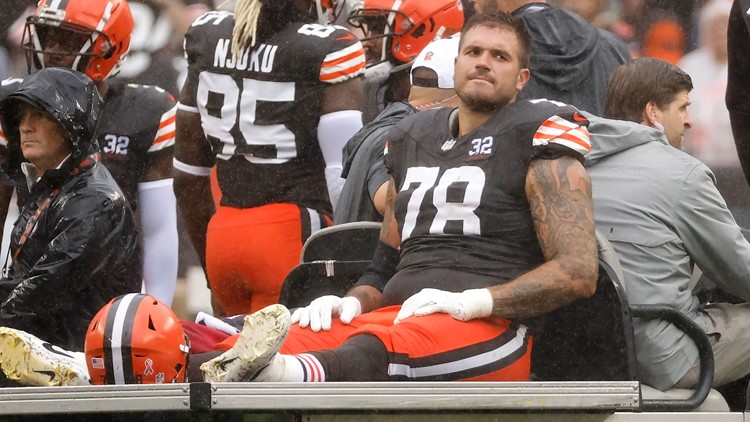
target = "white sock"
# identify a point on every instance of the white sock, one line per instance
(292, 368)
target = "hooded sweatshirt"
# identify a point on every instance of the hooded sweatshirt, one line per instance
(364, 168)
(82, 250)
(661, 211)
(571, 59)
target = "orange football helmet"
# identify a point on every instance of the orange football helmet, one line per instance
(135, 339)
(96, 32)
(407, 26)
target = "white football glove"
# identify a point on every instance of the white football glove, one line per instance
(464, 306)
(319, 312)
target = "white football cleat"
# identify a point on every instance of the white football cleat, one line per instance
(31, 361)
(262, 335)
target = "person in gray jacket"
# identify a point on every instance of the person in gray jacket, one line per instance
(661, 211)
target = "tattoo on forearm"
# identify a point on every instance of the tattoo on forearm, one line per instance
(560, 198)
(559, 194)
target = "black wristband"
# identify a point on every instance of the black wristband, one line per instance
(382, 267)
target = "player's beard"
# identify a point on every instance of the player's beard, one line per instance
(484, 105)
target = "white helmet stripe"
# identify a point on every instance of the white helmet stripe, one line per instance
(88, 44)
(394, 9)
(391, 19)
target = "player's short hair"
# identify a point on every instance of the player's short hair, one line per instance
(635, 84)
(502, 20)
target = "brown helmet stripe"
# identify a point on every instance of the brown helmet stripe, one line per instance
(118, 333)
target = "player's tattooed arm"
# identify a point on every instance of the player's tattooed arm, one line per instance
(389, 232)
(559, 192)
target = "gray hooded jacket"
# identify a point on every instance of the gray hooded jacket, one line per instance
(364, 168)
(571, 59)
(660, 209)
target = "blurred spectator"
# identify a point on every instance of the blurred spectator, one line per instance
(707, 67)
(626, 27)
(653, 28)
(710, 139)
(664, 39)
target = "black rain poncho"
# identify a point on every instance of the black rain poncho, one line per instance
(82, 250)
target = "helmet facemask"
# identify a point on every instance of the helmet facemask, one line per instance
(72, 42)
(378, 24)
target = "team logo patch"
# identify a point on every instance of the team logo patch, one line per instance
(149, 367)
(448, 145)
(578, 118)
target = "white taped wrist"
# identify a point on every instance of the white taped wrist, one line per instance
(481, 302)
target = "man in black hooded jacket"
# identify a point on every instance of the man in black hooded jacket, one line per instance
(74, 246)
